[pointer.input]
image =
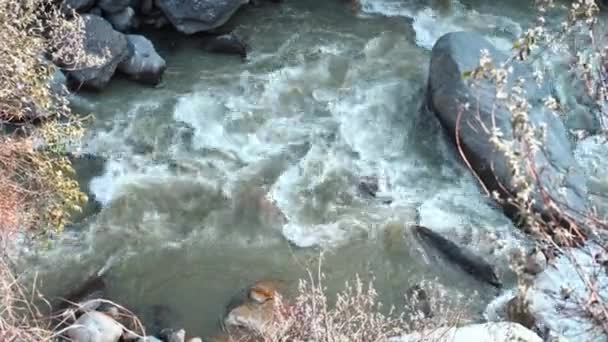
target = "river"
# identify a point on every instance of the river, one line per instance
(197, 167)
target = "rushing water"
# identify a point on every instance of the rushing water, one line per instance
(327, 95)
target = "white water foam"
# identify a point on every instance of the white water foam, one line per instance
(430, 24)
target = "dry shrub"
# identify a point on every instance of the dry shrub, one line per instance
(39, 189)
(356, 314)
(19, 320)
(581, 40)
(36, 185)
(32, 31)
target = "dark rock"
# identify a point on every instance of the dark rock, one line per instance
(453, 55)
(146, 7)
(87, 167)
(535, 262)
(262, 2)
(228, 44)
(160, 22)
(124, 20)
(100, 40)
(77, 5)
(419, 301)
(92, 288)
(113, 6)
(96, 11)
(368, 185)
(144, 64)
(191, 16)
(468, 261)
(135, 4)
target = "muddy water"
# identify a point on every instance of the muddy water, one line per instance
(233, 170)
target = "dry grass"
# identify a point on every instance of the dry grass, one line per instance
(20, 320)
(355, 314)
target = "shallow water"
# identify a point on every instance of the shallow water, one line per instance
(197, 167)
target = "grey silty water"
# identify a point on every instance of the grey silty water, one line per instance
(233, 171)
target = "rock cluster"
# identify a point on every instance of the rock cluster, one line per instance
(105, 326)
(109, 27)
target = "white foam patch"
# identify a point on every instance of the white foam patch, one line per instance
(122, 165)
(327, 235)
(461, 211)
(496, 310)
(208, 115)
(119, 173)
(430, 24)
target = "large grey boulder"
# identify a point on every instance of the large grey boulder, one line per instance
(95, 327)
(103, 41)
(144, 64)
(191, 16)
(227, 44)
(453, 55)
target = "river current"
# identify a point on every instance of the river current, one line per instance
(237, 170)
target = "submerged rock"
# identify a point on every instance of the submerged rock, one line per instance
(448, 91)
(95, 327)
(144, 64)
(103, 41)
(191, 16)
(227, 44)
(494, 332)
(419, 301)
(368, 186)
(469, 262)
(254, 308)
